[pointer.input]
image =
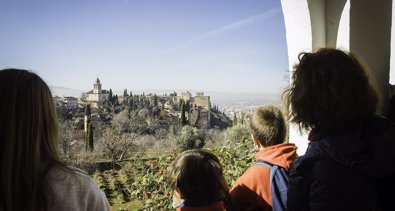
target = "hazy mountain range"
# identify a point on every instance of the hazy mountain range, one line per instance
(221, 98)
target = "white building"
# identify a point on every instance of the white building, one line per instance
(97, 96)
(70, 102)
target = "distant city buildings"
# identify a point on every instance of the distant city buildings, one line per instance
(70, 102)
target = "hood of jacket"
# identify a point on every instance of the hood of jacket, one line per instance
(281, 155)
(368, 148)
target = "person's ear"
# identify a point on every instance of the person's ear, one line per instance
(256, 143)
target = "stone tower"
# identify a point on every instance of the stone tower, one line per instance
(97, 87)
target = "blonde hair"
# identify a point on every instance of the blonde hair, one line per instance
(28, 140)
(197, 176)
(267, 125)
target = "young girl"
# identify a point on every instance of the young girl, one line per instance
(32, 177)
(198, 182)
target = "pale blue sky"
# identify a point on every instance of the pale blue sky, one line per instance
(209, 45)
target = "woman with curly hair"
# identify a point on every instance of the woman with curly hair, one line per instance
(351, 154)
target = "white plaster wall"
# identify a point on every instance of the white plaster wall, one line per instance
(370, 39)
(92, 97)
(299, 36)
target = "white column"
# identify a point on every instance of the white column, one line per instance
(298, 35)
(310, 24)
(343, 35)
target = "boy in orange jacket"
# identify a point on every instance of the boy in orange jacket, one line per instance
(268, 130)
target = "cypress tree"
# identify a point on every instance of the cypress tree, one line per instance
(90, 143)
(88, 110)
(234, 119)
(131, 103)
(88, 137)
(110, 96)
(155, 100)
(125, 97)
(180, 104)
(183, 119)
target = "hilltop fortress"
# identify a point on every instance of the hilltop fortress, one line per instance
(199, 107)
(197, 114)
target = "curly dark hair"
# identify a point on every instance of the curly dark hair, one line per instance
(330, 90)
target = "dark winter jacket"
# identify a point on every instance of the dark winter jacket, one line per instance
(352, 170)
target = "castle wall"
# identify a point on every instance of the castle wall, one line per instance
(203, 101)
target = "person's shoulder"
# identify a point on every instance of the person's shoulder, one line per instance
(72, 177)
(253, 176)
(70, 186)
(67, 172)
(255, 171)
(315, 154)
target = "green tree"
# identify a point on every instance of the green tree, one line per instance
(239, 132)
(187, 106)
(88, 110)
(89, 138)
(234, 119)
(110, 96)
(155, 100)
(125, 97)
(131, 103)
(180, 102)
(182, 110)
(190, 138)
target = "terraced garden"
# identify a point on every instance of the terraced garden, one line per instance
(141, 183)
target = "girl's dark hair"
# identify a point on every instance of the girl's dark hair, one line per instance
(28, 140)
(197, 176)
(330, 90)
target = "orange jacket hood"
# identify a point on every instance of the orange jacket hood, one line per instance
(281, 155)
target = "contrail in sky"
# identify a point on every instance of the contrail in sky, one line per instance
(223, 29)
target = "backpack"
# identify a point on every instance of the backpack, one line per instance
(278, 185)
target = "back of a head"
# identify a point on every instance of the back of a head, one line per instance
(28, 134)
(330, 89)
(197, 176)
(267, 125)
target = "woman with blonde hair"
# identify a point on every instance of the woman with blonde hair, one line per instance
(350, 161)
(33, 178)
